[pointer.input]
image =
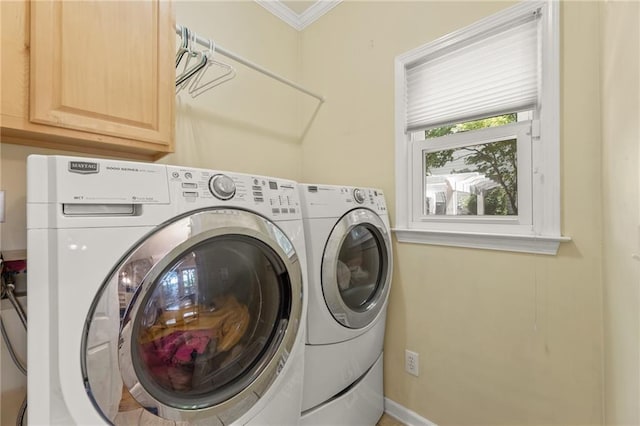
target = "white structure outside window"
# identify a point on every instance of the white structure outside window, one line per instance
(477, 135)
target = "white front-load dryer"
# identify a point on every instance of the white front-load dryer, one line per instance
(163, 295)
(350, 266)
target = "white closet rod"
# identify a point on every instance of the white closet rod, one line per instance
(205, 42)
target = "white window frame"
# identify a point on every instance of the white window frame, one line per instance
(537, 228)
(521, 132)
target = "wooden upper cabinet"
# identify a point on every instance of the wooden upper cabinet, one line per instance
(101, 77)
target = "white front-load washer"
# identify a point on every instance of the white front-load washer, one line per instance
(163, 295)
(350, 265)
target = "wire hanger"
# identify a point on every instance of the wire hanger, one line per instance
(184, 45)
(189, 72)
(197, 87)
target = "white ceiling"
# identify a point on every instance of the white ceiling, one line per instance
(298, 13)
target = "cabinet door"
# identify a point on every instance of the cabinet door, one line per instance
(104, 67)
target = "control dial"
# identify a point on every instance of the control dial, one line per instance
(358, 195)
(222, 187)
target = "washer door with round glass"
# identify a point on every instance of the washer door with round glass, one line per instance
(195, 323)
(356, 268)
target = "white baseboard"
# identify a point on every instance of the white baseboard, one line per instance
(406, 416)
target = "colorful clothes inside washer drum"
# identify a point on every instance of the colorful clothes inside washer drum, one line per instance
(181, 339)
(178, 348)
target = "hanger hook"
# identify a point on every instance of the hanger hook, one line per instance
(184, 44)
(184, 34)
(194, 40)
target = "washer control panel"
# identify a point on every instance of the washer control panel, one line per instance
(329, 200)
(273, 197)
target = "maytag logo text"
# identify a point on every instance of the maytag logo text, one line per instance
(83, 167)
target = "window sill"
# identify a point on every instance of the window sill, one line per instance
(519, 243)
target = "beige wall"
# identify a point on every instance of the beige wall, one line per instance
(620, 74)
(503, 338)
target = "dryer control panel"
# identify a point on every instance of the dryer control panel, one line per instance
(334, 201)
(273, 197)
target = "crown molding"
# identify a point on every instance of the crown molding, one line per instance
(316, 11)
(298, 21)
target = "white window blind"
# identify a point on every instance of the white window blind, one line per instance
(476, 77)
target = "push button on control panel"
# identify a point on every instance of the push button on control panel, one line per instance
(257, 190)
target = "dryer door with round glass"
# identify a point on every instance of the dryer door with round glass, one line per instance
(195, 323)
(356, 268)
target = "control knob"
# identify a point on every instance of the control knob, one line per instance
(358, 195)
(222, 187)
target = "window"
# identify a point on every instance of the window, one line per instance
(477, 135)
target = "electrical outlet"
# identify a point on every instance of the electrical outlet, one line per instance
(411, 362)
